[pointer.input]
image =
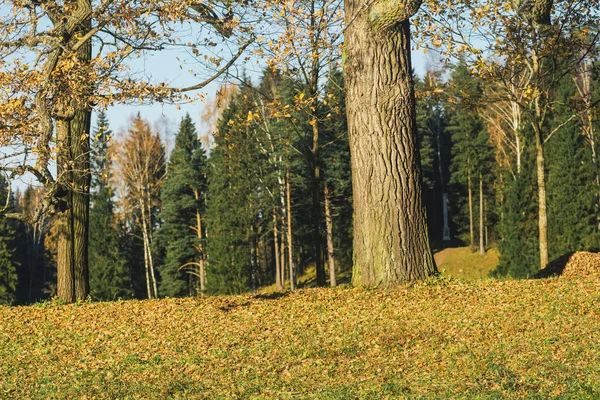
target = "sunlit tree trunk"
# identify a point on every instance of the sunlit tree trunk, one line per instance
(288, 193)
(278, 280)
(391, 243)
(471, 224)
(73, 168)
(329, 227)
(481, 212)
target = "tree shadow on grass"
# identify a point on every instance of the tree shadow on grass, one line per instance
(271, 296)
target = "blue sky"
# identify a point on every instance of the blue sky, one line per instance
(168, 69)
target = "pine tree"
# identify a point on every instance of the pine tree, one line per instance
(182, 197)
(8, 263)
(572, 222)
(235, 197)
(109, 275)
(472, 154)
(518, 245)
(434, 149)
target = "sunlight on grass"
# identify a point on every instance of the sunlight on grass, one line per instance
(462, 263)
(437, 339)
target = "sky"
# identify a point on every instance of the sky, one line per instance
(167, 116)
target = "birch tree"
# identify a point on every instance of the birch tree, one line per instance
(139, 171)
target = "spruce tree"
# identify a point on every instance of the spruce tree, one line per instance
(8, 263)
(472, 154)
(182, 196)
(572, 222)
(236, 192)
(109, 274)
(518, 245)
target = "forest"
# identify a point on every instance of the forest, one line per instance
(294, 173)
(281, 199)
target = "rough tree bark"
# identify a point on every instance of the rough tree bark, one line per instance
(73, 170)
(391, 243)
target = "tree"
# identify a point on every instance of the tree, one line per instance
(434, 150)
(536, 43)
(305, 51)
(140, 170)
(238, 202)
(46, 104)
(472, 152)
(8, 266)
(571, 181)
(182, 234)
(337, 176)
(391, 244)
(109, 274)
(8, 263)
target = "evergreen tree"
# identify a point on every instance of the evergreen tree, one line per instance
(518, 245)
(434, 150)
(572, 222)
(235, 194)
(8, 263)
(472, 154)
(109, 275)
(182, 197)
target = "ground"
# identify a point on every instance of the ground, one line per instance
(461, 262)
(442, 338)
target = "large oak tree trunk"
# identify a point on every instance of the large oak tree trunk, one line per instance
(81, 126)
(65, 270)
(73, 174)
(391, 243)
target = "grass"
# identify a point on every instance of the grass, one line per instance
(438, 339)
(462, 263)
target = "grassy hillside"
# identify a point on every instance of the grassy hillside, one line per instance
(480, 339)
(462, 263)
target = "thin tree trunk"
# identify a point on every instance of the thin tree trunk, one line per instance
(316, 206)
(282, 253)
(481, 212)
(200, 247)
(487, 244)
(391, 243)
(542, 208)
(329, 226)
(289, 230)
(278, 271)
(471, 224)
(516, 123)
(147, 253)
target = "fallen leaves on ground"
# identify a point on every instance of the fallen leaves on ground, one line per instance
(441, 338)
